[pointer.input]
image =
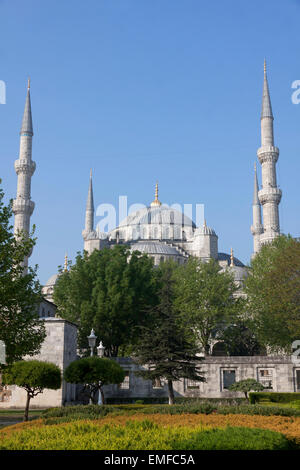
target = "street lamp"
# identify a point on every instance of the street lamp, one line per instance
(92, 341)
(100, 350)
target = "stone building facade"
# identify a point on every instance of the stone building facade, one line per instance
(59, 348)
(275, 373)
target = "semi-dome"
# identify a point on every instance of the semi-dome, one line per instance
(155, 248)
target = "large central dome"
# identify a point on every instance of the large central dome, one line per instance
(157, 215)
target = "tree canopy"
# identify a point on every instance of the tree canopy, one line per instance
(109, 291)
(273, 292)
(33, 376)
(20, 294)
(245, 386)
(94, 372)
(205, 299)
(165, 345)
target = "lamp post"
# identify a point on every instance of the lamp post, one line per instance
(100, 353)
(100, 350)
(92, 341)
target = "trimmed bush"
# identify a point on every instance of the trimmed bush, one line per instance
(274, 397)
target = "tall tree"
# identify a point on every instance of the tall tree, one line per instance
(273, 292)
(165, 346)
(109, 291)
(205, 298)
(20, 327)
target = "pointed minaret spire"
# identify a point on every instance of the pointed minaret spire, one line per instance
(89, 212)
(270, 195)
(23, 205)
(266, 110)
(27, 128)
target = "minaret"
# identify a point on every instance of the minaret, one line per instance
(89, 212)
(270, 194)
(23, 205)
(256, 228)
(92, 239)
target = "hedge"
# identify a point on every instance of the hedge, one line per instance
(274, 397)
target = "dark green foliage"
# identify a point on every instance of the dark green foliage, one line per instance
(274, 397)
(20, 327)
(165, 346)
(205, 299)
(33, 376)
(235, 438)
(94, 372)
(239, 340)
(109, 291)
(273, 293)
(73, 413)
(245, 386)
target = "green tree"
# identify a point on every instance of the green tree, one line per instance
(246, 386)
(273, 292)
(109, 291)
(94, 372)
(205, 298)
(20, 327)
(33, 376)
(165, 346)
(239, 339)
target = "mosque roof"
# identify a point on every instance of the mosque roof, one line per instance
(157, 215)
(155, 248)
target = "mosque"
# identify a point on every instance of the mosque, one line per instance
(163, 233)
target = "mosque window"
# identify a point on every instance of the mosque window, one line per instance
(157, 383)
(228, 378)
(126, 382)
(192, 384)
(297, 379)
(161, 259)
(265, 377)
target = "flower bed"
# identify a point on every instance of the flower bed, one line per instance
(139, 434)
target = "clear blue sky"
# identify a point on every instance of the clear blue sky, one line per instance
(146, 90)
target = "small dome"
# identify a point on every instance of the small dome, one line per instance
(51, 281)
(204, 230)
(155, 248)
(226, 257)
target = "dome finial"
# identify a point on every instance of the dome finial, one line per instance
(265, 66)
(66, 263)
(231, 258)
(28, 83)
(156, 202)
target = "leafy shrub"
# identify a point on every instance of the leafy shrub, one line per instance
(71, 413)
(275, 397)
(141, 435)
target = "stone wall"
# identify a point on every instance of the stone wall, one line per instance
(278, 371)
(59, 348)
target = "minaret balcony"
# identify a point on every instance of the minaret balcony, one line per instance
(23, 206)
(267, 195)
(268, 154)
(25, 167)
